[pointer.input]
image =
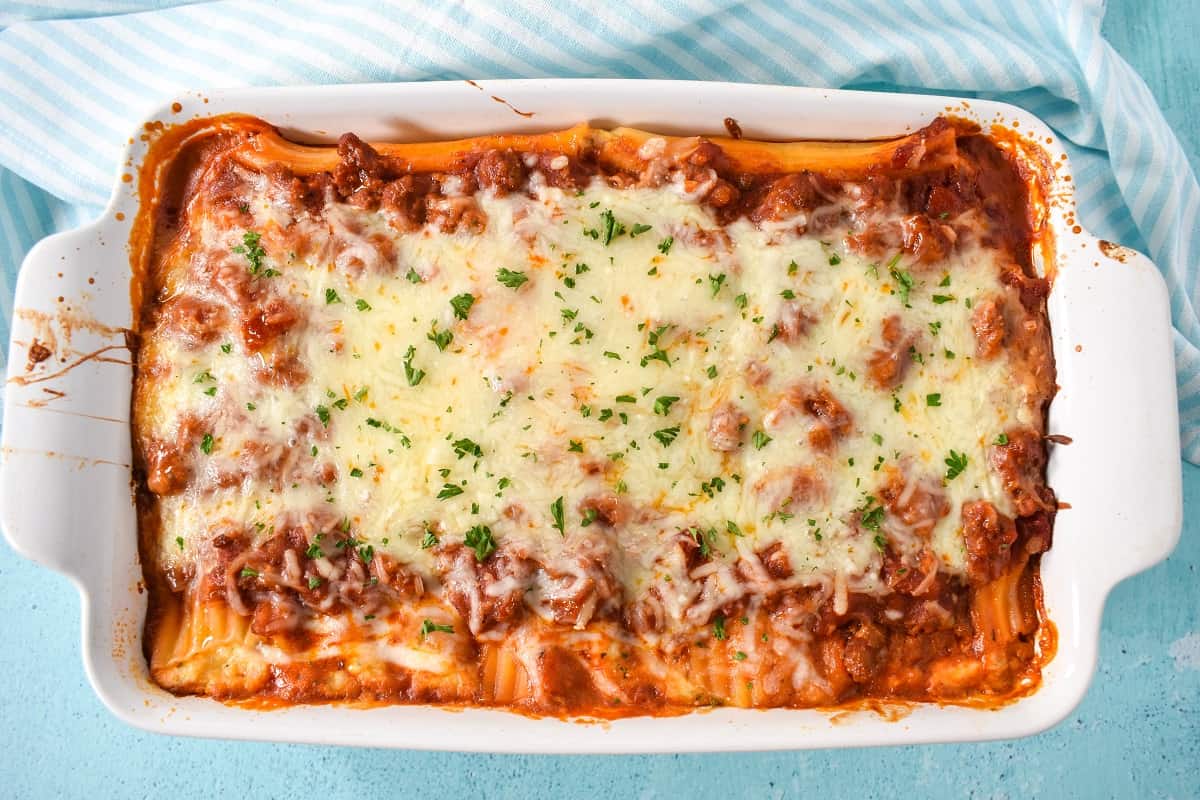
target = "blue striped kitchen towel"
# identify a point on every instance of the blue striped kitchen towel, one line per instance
(111, 62)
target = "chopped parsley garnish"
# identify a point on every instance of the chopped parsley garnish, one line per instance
(943, 298)
(639, 228)
(314, 582)
(412, 276)
(666, 436)
(204, 377)
(788, 294)
(664, 246)
(719, 627)
(314, 548)
(179, 541)
(441, 339)
(834, 260)
(741, 301)
(413, 374)
(955, 464)
(662, 406)
(934, 399)
(206, 444)
(449, 490)
(1001, 440)
(466, 447)
(429, 626)
(610, 228)
(626, 398)
(948, 353)
(248, 572)
(716, 282)
(658, 354)
(575, 446)
(511, 278)
(702, 540)
(901, 277)
(461, 303)
(556, 511)
(711, 371)
(331, 296)
(356, 473)
(227, 348)
(732, 527)
(251, 248)
(479, 538)
(611, 354)
(871, 515)
(740, 656)
(760, 440)
(876, 438)
(362, 305)
(589, 516)
(250, 406)
(429, 540)
(880, 542)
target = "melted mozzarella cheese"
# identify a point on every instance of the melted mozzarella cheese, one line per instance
(639, 317)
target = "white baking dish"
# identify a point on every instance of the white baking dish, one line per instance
(66, 476)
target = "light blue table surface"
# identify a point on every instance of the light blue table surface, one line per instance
(1136, 734)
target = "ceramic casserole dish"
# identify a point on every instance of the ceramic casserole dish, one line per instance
(67, 500)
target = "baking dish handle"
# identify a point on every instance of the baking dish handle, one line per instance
(1114, 348)
(64, 473)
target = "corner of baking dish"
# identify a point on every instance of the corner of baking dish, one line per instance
(66, 488)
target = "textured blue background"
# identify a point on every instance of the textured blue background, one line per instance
(1137, 733)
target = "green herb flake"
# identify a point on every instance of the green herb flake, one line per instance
(556, 511)
(429, 626)
(902, 277)
(449, 490)
(440, 339)
(955, 464)
(411, 373)
(666, 436)
(479, 538)
(251, 248)
(461, 303)
(466, 447)
(760, 440)
(1001, 440)
(664, 246)
(662, 406)
(331, 297)
(206, 444)
(511, 278)
(934, 399)
(248, 572)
